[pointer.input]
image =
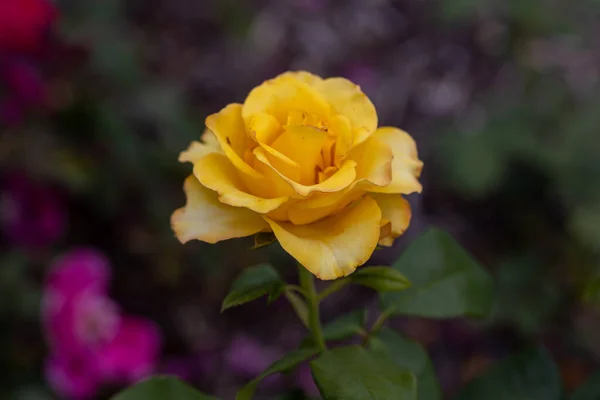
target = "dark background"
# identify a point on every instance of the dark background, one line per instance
(501, 96)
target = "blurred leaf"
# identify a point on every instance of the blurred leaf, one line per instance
(589, 390)
(286, 363)
(161, 388)
(446, 281)
(411, 355)
(353, 373)
(382, 279)
(531, 375)
(525, 296)
(251, 284)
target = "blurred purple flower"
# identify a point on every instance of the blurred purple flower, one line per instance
(305, 381)
(247, 357)
(91, 341)
(31, 215)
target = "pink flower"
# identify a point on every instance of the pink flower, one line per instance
(91, 341)
(24, 23)
(132, 353)
(31, 215)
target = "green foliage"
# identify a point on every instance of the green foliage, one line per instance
(353, 373)
(253, 283)
(411, 355)
(530, 375)
(286, 363)
(161, 388)
(382, 279)
(446, 281)
(590, 390)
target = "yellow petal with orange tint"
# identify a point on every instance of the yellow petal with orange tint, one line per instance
(396, 210)
(406, 166)
(205, 218)
(228, 126)
(347, 99)
(336, 246)
(216, 172)
(280, 95)
(337, 182)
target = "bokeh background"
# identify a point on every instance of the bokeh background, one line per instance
(98, 97)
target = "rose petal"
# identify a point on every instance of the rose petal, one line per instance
(335, 246)
(396, 210)
(197, 150)
(406, 166)
(347, 99)
(216, 172)
(283, 93)
(228, 126)
(205, 218)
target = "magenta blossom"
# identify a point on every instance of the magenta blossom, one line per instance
(31, 214)
(91, 341)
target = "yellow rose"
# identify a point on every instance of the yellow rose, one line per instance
(302, 158)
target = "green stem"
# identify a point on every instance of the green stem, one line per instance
(334, 287)
(307, 284)
(377, 325)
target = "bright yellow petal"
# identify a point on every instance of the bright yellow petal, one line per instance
(341, 128)
(321, 205)
(197, 150)
(374, 161)
(303, 144)
(347, 99)
(282, 94)
(336, 246)
(217, 173)
(205, 218)
(396, 210)
(406, 166)
(228, 126)
(303, 76)
(337, 182)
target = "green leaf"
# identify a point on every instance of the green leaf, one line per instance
(382, 279)
(253, 283)
(446, 281)
(353, 373)
(531, 375)
(411, 355)
(590, 390)
(286, 363)
(161, 388)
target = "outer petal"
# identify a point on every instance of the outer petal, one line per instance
(396, 210)
(335, 246)
(284, 93)
(374, 160)
(205, 218)
(216, 172)
(347, 99)
(197, 150)
(229, 128)
(406, 166)
(342, 179)
(321, 205)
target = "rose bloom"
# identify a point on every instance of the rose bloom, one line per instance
(302, 158)
(23, 24)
